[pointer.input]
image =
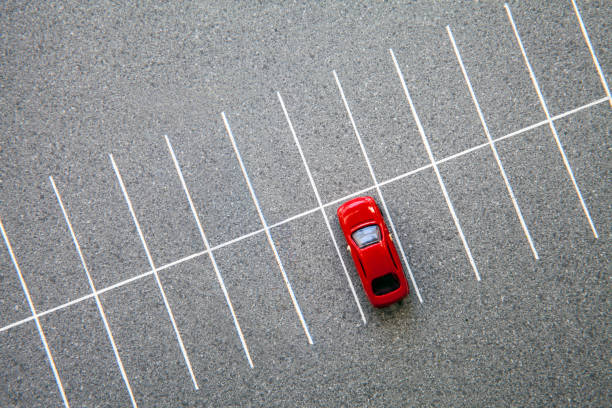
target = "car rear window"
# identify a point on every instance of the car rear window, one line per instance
(366, 236)
(385, 284)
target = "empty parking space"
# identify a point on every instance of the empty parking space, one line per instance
(382, 115)
(494, 64)
(147, 344)
(482, 203)
(206, 324)
(56, 280)
(567, 76)
(88, 369)
(13, 305)
(325, 132)
(212, 174)
(588, 149)
(538, 175)
(27, 378)
(262, 303)
(157, 200)
(92, 189)
(442, 95)
(277, 174)
(593, 19)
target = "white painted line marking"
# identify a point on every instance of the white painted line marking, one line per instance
(578, 109)
(41, 333)
(297, 216)
(523, 130)
(20, 322)
(408, 173)
(93, 290)
(550, 121)
(294, 217)
(435, 166)
(380, 195)
(316, 192)
(585, 34)
(348, 196)
(267, 230)
(57, 308)
(130, 280)
(210, 254)
(493, 148)
(154, 270)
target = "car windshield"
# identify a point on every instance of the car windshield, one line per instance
(366, 236)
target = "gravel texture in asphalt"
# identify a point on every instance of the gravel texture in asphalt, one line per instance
(80, 82)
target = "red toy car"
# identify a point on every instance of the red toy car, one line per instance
(373, 252)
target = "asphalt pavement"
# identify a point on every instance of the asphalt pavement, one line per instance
(245, 296)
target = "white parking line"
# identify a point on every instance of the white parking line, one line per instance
(294, 217)
(155, 274)
(544, 122)
(132, 279)
(578, 109)
(210, 254)
(93, 290)
(380, 195)
(267, 230)
(585, 34)
(316, 192)
(435, 166)
(41, 333)
(297, 216)
(550, 122)
(493, 148)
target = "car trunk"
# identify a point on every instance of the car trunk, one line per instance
(377, 261)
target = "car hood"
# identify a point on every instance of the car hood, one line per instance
(377, 260)
(356, 212)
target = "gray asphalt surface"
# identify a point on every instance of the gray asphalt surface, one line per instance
(78, 82)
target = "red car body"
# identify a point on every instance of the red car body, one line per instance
(376, 260)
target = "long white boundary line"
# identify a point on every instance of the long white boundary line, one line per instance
(133, 279)
(380, 195)
(298, 310)
(297, 216)
(93, 291)
(550, 121)
(210, 253)
(463, 153)
(517, 209)
(578, 109)
(41, 333)
(293, 218)
(435, 166)
(316, 192)
(155, 274)
(585, 34)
